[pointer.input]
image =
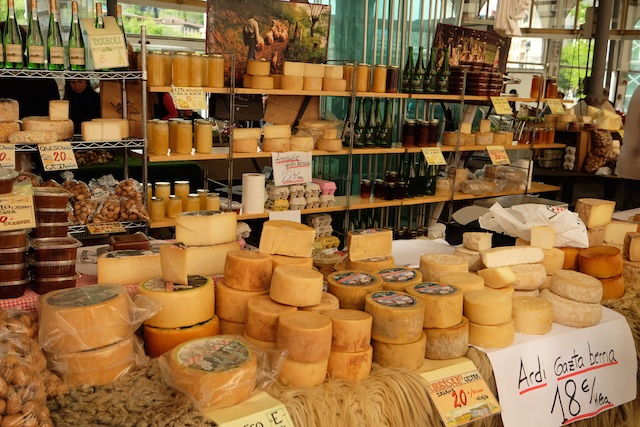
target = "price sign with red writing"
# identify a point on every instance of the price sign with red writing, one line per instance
(498, 155)
(16, 212)
(106, 45)
(433, 156)
(189, 98)
(8, 156)
(57, 156)
(106, 228)
(291, 167)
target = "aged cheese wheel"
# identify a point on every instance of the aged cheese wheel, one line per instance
(179, 261)
(305, 262)
(547, 283)
(492, 336)
(276, 144)
(354, 366)
(298, 374)
(572, 313)
(473, 258)
(158, 341)
(127, 267)
(369, 243)
(507, 290)
(352, 286)
(443, 304)
(397, 316)
(312, 83)
(534, 293)
(64, 128)
(231, 328)
(9, 111)
(487, 307)
(248, 270)
(258, 68)
(531, 315)
(247, 133)
(511, 255)
(6, 129)
(333, 71)
(576, 286)
(293, 68)
(464, 281)
(553, 260)
(399, 278)
(432, 266)
(33, 137)
(204, 228)
(570, 258)
(330, 133)
(306, 335)
(262, 82)
(231, 304)
(262, 317)
(530, 276)
(314, 70)
(287, 238)
(245, 145)
(350, 330)
(595, 212)
(328, 302)
(302, 143)
(406, 356)
(371, 264)
(296, 286)
(447, 343)
(612, 288)
(476, 241)
(264, 345)
(329, 144)
(601, 262)
(292, 83)
(498, 277)
(334, 85)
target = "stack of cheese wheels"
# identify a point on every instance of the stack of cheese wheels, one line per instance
(332, 79)
(258, 75)
(446, 331)
(352, 286)
(370, 249)
(531, 315)
(277, 138)
(247, 274)
(631, 264)
(292, 78)
(9, 116)
(499, 278)
(296, 286)
(246, 140)
(62, 128)
(575, 298)
(553, 259)
(262, 320)
(489, 314)
(397, 337)
(313, 75)
(464, 281)
(472, 244)
(88, 333)
(330, 139)
(173, 324)
(215, 372)
(432, 266)
(399, 278)
(306, 335)
(351, 352)
(327, 302)
(524, 262)
(595, 214)
(606, 264)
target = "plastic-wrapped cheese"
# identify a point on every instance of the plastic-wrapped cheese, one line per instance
(432, 266)
(350, 330)
(532, 316)
(262, 317)
(306, 335)
(248, 270)
(231, 304)
(301, 143)
(9, 111)
(399, 278)
(405, 356)
(572, 313)
(487, 307)
(258, 68)
(352, 286)
(601, 262)
(530, 276)
(576, 286)
(443, 304)
(492, 336)
(158, 341)
(352, 366)
(296, 286)
(397, 316)
(447, 343)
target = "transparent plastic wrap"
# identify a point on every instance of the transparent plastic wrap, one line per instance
(83, 205)
(475, 187)
(90, 317)
(220, 371)
(108, 210)
(50, 183)
(129, 188)
(133, 210)
(28, 176)
(316, 128)
(19, 322)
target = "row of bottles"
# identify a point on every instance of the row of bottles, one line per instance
(415, 178)
(369, 128)
(432, 78)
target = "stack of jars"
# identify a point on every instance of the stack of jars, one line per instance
(185, 69)
(13, 267)
(163, 204)
(177, 136)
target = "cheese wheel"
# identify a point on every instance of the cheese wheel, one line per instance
(9, 110)
(306, 335)
(476, 241)
(59, 110)
(492, 336)
(369, 243)
(447, 343)
(80, 319)
(314, 70)
(296, 286)
(204, 228)
(276, 144)
(158, 341)
(333, 71)
(534, 293)
(576, 286)
(258, 68)
(484, 138)
(572, 313)
(291, 68)
(262, 82)
(432, 266)
(262, 317)
(354, 366)
(553, 260)
(532, 315)
(246, 80)
(405, 356)
(328, 302)
(287, 238)
(498, 277)
(330, 133)
(301, 143)
(248, 270)
(601, 262)
(127, 267)
(612, 288)
(473, 258)
(443, 304)
(350, 330)
(64, 128)
(630, 244)
(95, 367)
(487, 307)
(507, 290)
(292, 83)
(352, 286)
(215, 372)
(397, 316)
(231, 304)
(312, 83)
(245, 145)
(595, 236)
(304, 262)
(297, 374)
(198, 295)
(334, 85)
(399, 278)
(231, 328)
(264, 345)
(372, 264)
(247, 133)
(6, 129)
(631, 272)
(329, 144)
(530, 276)
(570, 258)
(464, 281)
(33, 137)
(595, 212)
(511, 255)
(547, 283)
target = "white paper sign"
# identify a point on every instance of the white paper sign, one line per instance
(567, 375)
(291, 167)
(293, 216)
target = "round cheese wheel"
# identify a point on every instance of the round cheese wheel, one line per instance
(570, 258)
(447, 343)
(262, 82)
(296, 286)
(492, 336)
(601, 262)
(612, 288)
(350, 330)
(371, 264)
(464, 281)
(301, 143)
(405, 356)
(397, 316)
(247, 133)
(487, 307)
(484, 138)
(245, 145)
(198, 295)
(276, 144)
(498, 277)
(64, 128)
(256, 67)
(330, 133)
(306, 335)
(576, 286)
(215, 372)
(265, 345)
(532, 315)
(277, 80)
(6, 129)
(507, 290)
(80, 319)
(312, 83)
(292, 83)
(304, 262)
(262, 317)
(9, 110)
(443, 304)
(432, 266)
(231, 328)
(299, 374)
(530, 276)
(547, 283)
(354, 366)
(95, 367)
(399, 278)
(553, 260)
(334, 85)
(352, 286)
(328, 302)
(329, 144)
(248, 270)
(572, 313)
(158, 341)
(533, 293)
(231, 304)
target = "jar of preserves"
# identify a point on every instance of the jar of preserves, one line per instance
(213, 202)
(193, 202)
(155, 69)
(408, 133)
(422, 133)
(536, 86)
(162, 190)
(181, 73)
(156, 209)
(205, 69)
(363, 78)
(181, 189)
(149, 193)
(378, 189)
(184, 137)
(173, 133)
(379, 78)
(202, 194)
(161, 138)
(393, 79)
(203, 136)
(195, 70)
(365, 188)
(174, 208)
(389, 190)
(167, 59)
(391, 176)
(434, 132)
(551, 88)
(216, 71)
(401, 190)
(150, 145)
(347, 74)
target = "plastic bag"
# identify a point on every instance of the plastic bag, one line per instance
(108, 210)
(315, 128)
(518, 220)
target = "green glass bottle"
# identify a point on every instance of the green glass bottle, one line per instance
(417, 80)
(370, 131)
(76, 43)
(120, 22)
(35, 43)
(55, 47)
(12, 40)
(386, 130)
(348, 125)
(407, 73)
(431, 78)
(360, 126)
(99, 18)
(444, 73)
(380, 132)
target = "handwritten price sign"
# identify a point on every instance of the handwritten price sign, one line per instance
(7, 156)
(106, 228)
(261, 410)
(57, 156)
(501, 105)
(16, 213)
(555, 105)
(189, 98)
(106, 44)
(498, 155)
(291, 167)
(433, 156)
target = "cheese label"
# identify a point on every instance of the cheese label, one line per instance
(353, 278)
(555, 105)
(189, 98)
(501, 105)
(397, 274)
(106, 228)
(393, 299)
(428, 288)
(8, 156)
(433, 156)
(498, 155)
(156, 284)
(85, 296)
(106, 44)
(216, 354)
(127, 253)
(57, 156)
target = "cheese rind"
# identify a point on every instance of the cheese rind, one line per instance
(572, 313)
(305, 262)
(231, 328)
(7, 129)
(179, 261)
(158, 341)
(333, 71)
(443, 304)
(329, 144)
(492, 336)
(298, 374)
(334, 85)
(245, 145)
(328, 302)
(248, 270)
(63, 128)
(473, 258)
(432, 266)
(32, 136)
(615, 231)
(258, 68)
(595, 212)
(354, 366)
(305, 335)
(291, 82)
(399, 278)
(264, 345)
(498, 277)
(262, 82)
(206, 228)
(312, 83)
(487, 307)
(447, 343)
(350, 330)
(127, 267)
(262, 317)
(531, 315)
(291, 68)
(553, 260)
(476, 241)
(511, 255)
(576, 286)
(570, 258)
(542, 236)
(405, 356)
(296, 286)
(247, 133)
(371, 264)
(352, 286)
(286, 238)
(301, 143)
(631, 248)
(276, 144)
(313, 70)
(612, 288)
(601, 262)
(464, 281)
(533, 293)
(530, 276)
(397, 316)
(369, 243)
(9, 110)
(595, 236)
(231, 304)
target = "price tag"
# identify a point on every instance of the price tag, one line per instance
(433, 156)
(498, 155)
(106, 228)
(189, 98)
(274, 417)
(106, 44)
(7, 156)
(16, 212)
(291, 167)
(260, 410)
(555, 105)
(501, 105)
(57, 156)
(461, 394)
(293, 216)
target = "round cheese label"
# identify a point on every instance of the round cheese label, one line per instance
(393, 299)
(354, 278)
(397, 274)
(214, 354)
(428, 288)
(157, 284)
(85, 296)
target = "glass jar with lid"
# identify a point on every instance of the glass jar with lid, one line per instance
(347, 74)
(162, 190)
(193, 202)
(408, 133)
(213, 202)
(181, 189)
(168, 68)
(216, 71)
(184, 137)
(203, 136)
(181, 69)
(156, 209)
(202, 194)
(173, 133)
(150, 145)
(379, 78)
(551, 88)
(363, 78)
(195, 70)
(174, 207)
(393, 79)
(161, 138)
(155, 69)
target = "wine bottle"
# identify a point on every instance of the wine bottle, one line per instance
(12, 40)
(430, 181)
(421, 180)
(55, 47)
(35, 43)
(380, 131)
(120, 22)
(99, 19)
(76, 43)
(417, 80)
(431, 78)
(370, 132)
(388, 125)
(413, 178)
(407, 73)
(360, 126)
(348, 126)
(444, 73)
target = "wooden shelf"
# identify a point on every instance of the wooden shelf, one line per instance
(219, 90)
(536, 187)
(451, 148)
(440, 196)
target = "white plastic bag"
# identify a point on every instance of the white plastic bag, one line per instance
(518, 220)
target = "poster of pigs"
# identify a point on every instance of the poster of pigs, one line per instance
(269, 30)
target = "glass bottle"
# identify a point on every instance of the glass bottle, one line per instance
(55, 47)
(347, 128)
(370, 131)
(360, 128)
(430, 181)
(35, 44)
(76, 43)
(413, 178)
(421, 180)
(387, 127)
(430, 80)
(380, 131)
(443, 74)
(12, 40)
(99, 23)
(120, 22)
(417, 80)
(403, 172)
(407, 73)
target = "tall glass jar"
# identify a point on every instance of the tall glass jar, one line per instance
(168, 67)
(161, 138)
(216, 71)
(434, 132)
(408, 133)
(181, 189)
(155, 69)
(423, 129)
(195, 70)
(551, 88)
(205, 69)
(150, 144)
(204, 136)
(181, 74)
(149, 193)
(193, 203)
(174, 208)
(536, 85)
(347, 74)
(162, 190)
(379, 78)
(213, 202)
(184, 137)
(202, 193)
(363, 78)
(173, 133)
(393, 79)
(156, 209)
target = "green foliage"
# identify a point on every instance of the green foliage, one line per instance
(574, 54)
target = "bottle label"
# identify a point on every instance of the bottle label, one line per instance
(36, 54)
(369, 136)
(417, 82)
(56, 55)
(76, 56)
(13, 53)
(382, 135)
